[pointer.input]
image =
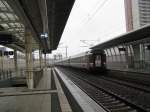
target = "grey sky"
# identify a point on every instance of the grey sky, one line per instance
(98, 20)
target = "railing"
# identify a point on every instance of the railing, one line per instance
(4, 75)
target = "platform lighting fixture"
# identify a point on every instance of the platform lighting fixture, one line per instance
(44, 35)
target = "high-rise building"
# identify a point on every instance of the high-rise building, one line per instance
(137, 13)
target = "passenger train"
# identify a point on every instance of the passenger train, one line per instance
(127, 52)
(87, 60)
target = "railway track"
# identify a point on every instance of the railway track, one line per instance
(112, 99)
(128, 84)
(139, 85)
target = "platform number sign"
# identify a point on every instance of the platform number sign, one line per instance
(6, 53)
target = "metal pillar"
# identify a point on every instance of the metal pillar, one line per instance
(1, 70)
(126, 56)
(15, 63)
(29, 59)
(66, 51)
(142, 55)
(40, 57)
(45, 60)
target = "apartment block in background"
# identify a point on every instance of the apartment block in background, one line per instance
(137, 13)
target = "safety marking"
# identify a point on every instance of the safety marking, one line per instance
(28, 93)
(65, 106)
(86, 103)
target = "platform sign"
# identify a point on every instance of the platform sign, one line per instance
(44, 35)
(6, 53)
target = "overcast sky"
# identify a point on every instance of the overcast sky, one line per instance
(96, 21)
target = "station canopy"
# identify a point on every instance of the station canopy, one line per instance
(130, 37)
(40, 17)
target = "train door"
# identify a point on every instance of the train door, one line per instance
(98, 61)
(103, 60)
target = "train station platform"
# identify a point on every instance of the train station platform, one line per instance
(55, 92)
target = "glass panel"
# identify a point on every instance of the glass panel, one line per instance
(16, 17)
(11, 21)
(17, 24)
(2, 6)
(10, 30)
(5, 26)
(6, 4)
(3, 16)
(17, 29)
(21, 25)
(10, 16)
(12, 24)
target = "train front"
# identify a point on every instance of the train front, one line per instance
(98, 59)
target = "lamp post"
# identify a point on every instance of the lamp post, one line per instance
(66, 49)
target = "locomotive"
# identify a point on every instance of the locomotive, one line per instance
(92, 61)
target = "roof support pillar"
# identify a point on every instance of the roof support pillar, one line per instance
(15, 62)
(45, 60)
(29, 59)
(40, 57)
(2, 66)
(142, 65)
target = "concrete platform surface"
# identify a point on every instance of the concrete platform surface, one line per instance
(54, 93)
(86, 103)
(47, 97)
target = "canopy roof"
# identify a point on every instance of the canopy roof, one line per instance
(39, 16)
(142, 33)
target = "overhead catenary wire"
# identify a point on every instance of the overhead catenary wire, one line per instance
(86, 16)
(90, 17)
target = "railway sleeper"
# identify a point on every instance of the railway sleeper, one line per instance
(123, 109)
(113, 103)
(104, 97)
(122, 105)
(107, 101)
